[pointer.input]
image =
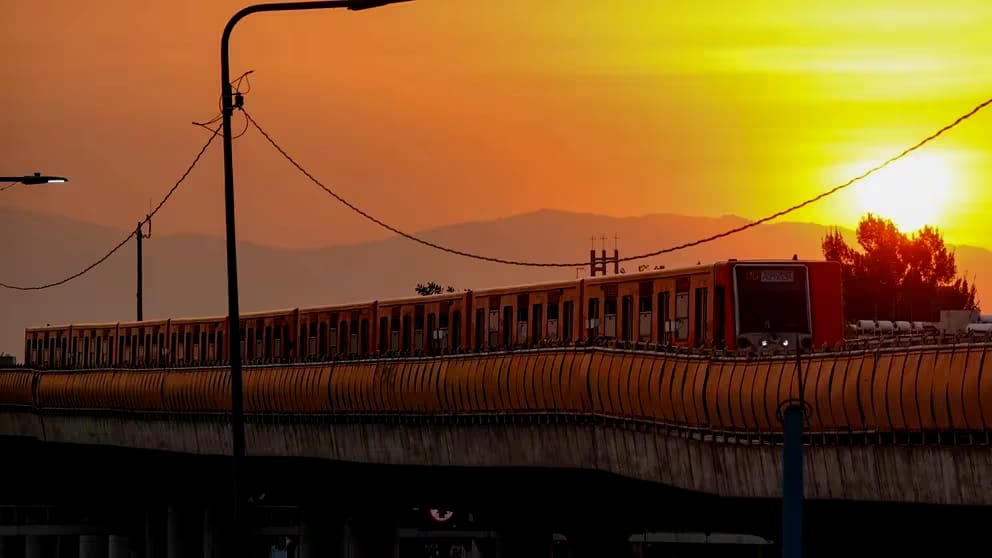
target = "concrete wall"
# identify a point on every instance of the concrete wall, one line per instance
(881, 473)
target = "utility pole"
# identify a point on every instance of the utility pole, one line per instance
(139, 235)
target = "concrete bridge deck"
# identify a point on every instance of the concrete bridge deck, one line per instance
(901, 425)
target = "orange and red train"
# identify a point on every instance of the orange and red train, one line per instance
(734, 305)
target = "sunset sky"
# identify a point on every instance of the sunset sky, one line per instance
(441, 111)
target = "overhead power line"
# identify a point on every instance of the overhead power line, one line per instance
(129, 236)
(7, 186)
(668, 250)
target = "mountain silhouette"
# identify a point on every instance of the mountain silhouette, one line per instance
(185, 275)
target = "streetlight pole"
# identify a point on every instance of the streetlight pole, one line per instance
(230, 101)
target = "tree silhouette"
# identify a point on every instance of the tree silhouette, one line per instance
(432, 288)
(898, 277)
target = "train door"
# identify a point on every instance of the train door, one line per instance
(537, 322)
(719, 317)
(700, 325)
(568, 311)
(480, 328)
(456, 330)
(627, 318)
(507, 326)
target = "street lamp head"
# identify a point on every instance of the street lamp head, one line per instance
(36, 178)
(357, 5)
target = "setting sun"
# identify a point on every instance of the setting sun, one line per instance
(912, 192)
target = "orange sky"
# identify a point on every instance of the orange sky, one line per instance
(441, 111)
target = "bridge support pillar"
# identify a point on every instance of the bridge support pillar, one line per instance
(215, 533)
(11, 547)
(155, 530)
(322, 533)
(598, 542)
(92, 546)
(371, 536)
(118, 546)
(522, 542)
(39, 546)
(184, 537)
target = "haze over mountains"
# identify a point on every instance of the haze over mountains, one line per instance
(186, 275)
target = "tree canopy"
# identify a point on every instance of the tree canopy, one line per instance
(897, 276)
(432, 288)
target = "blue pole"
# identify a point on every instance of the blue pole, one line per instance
(792, 484)
(792, 471)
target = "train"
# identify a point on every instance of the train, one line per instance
(729, 305)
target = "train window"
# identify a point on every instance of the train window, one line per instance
(322, 339)
(494, 326)
(304, 346)
(569, 317)
(682, 316)
(480, 327)
(189, 346)
(212, 346)
(343, 337)
(592, 325)
(219, 353)
(407, 334)
(644, 318)
(276, 351)
(456, 330)
(394, 333)
(553, 321)
(701, 319)
(610, 317)
(363, 335)
(418, 332)
(627, 318)
(507, 326)
(664, 315)
(536, 323)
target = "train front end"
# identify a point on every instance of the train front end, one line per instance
(780, 303)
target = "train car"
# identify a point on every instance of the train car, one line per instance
(776, 302)
(424, 325)
(140, 344)
(733, 305)
(651, 307)
(47, 347)
(269, 336)
(196, 341)
(334, 331)
(728, 305)
(91, 345)
(526, 315)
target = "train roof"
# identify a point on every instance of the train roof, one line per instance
(487, 291)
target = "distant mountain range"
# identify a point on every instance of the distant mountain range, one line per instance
(186, 275)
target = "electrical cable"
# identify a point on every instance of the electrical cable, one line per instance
(670, 249)
(128, 237)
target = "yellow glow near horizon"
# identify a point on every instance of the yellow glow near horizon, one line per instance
(912, 192)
